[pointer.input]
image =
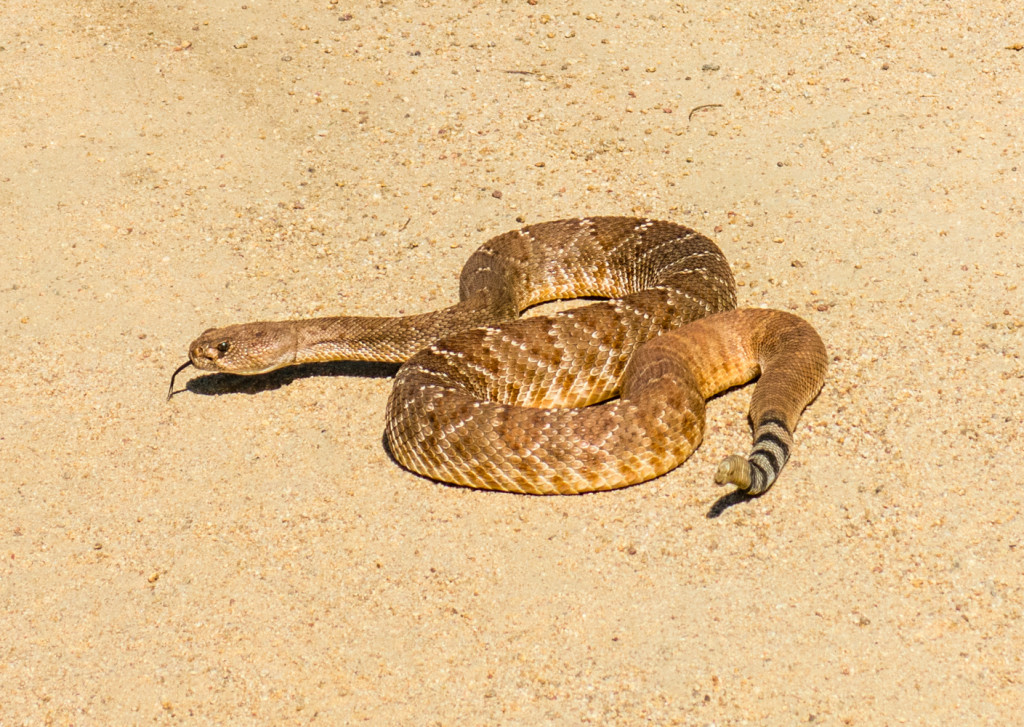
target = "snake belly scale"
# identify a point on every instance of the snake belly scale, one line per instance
(593, 398)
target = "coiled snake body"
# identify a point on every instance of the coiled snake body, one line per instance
(490, 400)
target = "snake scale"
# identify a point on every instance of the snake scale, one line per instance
(592, 398)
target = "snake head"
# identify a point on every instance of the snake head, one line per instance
(246, 348)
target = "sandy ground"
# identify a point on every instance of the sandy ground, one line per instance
(248, 553)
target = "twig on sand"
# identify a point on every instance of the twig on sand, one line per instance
(695, 109)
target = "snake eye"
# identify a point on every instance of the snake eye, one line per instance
(223, 346)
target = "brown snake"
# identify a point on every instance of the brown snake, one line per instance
(491, 400)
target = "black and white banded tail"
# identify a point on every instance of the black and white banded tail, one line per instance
(757, 472)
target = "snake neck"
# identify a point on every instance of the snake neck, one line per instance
(383, 339)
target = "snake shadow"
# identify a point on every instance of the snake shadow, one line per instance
(217, 384)
(729, 499)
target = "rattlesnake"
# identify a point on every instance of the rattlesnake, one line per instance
(490, 400)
